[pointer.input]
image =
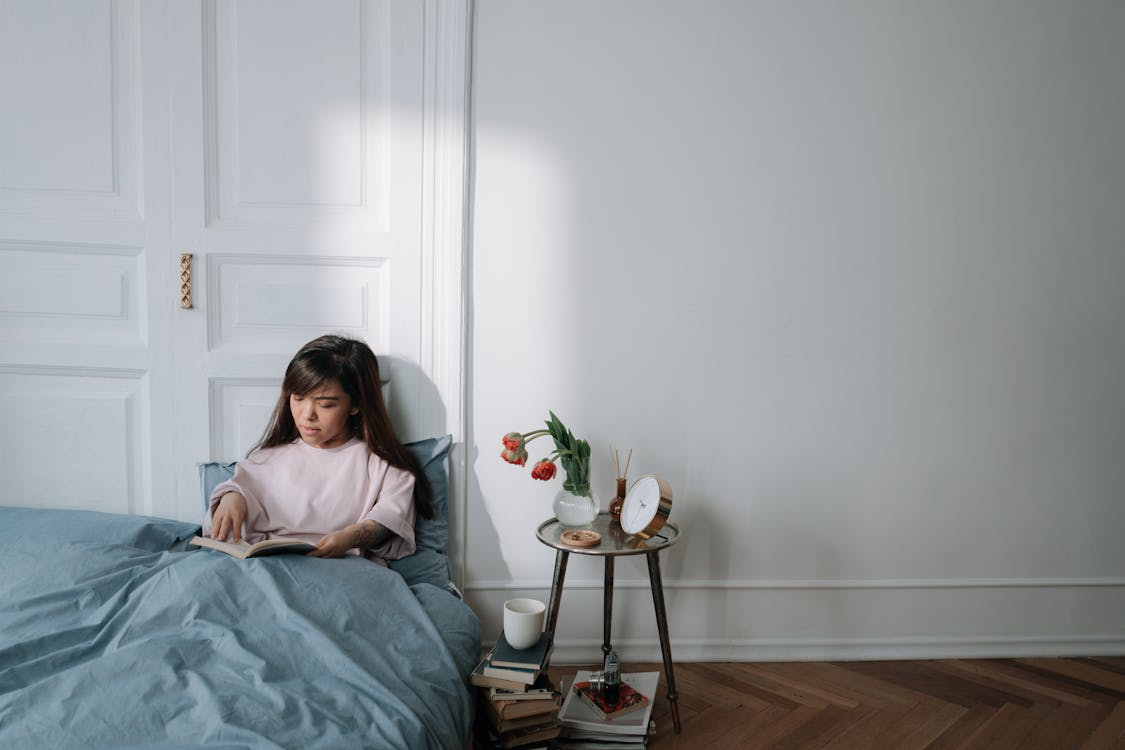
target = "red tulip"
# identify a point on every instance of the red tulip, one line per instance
(544, 470)
(517, 457)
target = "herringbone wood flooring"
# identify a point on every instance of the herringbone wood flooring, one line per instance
(1048, 704)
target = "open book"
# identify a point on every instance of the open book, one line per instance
(243, 549)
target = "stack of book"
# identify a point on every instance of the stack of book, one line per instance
(516, 696)
(589, 723)
(511, 668)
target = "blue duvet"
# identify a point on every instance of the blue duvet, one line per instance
(113, 634)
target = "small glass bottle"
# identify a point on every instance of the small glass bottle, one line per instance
(612, 677)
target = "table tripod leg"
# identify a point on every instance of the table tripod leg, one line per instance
(662, 626)
(561, 557)
(607, 607)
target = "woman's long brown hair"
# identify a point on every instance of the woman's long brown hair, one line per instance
(353, 365)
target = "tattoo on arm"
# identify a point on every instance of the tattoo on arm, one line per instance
(369, 534)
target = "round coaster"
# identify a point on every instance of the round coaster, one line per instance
(580, 538)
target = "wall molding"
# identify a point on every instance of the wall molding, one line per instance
(805, 584)
(73, 371)
(69, 248)
(209, 45)
(445, 216)
(585, 651)
(751, 618)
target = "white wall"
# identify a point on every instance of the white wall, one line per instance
(851, 276)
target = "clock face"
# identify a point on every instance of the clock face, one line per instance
(646, 506)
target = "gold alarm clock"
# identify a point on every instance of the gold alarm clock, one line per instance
(647, 505)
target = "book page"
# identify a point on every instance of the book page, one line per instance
(243, 549)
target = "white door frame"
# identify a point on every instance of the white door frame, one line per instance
(448, 31)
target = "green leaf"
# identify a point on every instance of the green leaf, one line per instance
(573, 454)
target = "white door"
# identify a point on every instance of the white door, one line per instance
(280, 144)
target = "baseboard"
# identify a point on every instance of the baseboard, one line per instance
(809, 584)
(846, 649)
(835, 620)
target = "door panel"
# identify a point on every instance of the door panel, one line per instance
(326, 109)
(70, 139)
(239, 408)
(271, 303)
(58, 466)
(103, 302)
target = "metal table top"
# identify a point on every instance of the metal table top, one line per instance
(614, 541)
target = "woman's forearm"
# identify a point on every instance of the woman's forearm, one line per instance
(369, 534)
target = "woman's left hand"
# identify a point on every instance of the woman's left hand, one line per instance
(335, 544)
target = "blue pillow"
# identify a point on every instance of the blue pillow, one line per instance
(211, 475)
(431, 454)
(424, 566)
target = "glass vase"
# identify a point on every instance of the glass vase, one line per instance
(575, 510)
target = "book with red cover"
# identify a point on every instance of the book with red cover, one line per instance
(629, 700)
(580, 720)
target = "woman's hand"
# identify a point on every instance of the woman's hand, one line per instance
(229, 517)
(335, 544)
(364, 535)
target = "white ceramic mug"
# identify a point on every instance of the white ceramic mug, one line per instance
(523, 622)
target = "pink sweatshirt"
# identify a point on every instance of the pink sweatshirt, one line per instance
(306, 492)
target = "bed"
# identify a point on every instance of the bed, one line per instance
(115, 632)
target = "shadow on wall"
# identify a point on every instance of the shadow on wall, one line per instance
(413, 401)
(426, 416)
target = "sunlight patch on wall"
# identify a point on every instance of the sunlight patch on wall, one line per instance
(526, 265)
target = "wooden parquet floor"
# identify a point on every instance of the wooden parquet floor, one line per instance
(1037, 704)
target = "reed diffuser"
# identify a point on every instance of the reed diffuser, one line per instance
(619, 498)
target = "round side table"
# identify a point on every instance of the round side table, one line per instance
(615, 543)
